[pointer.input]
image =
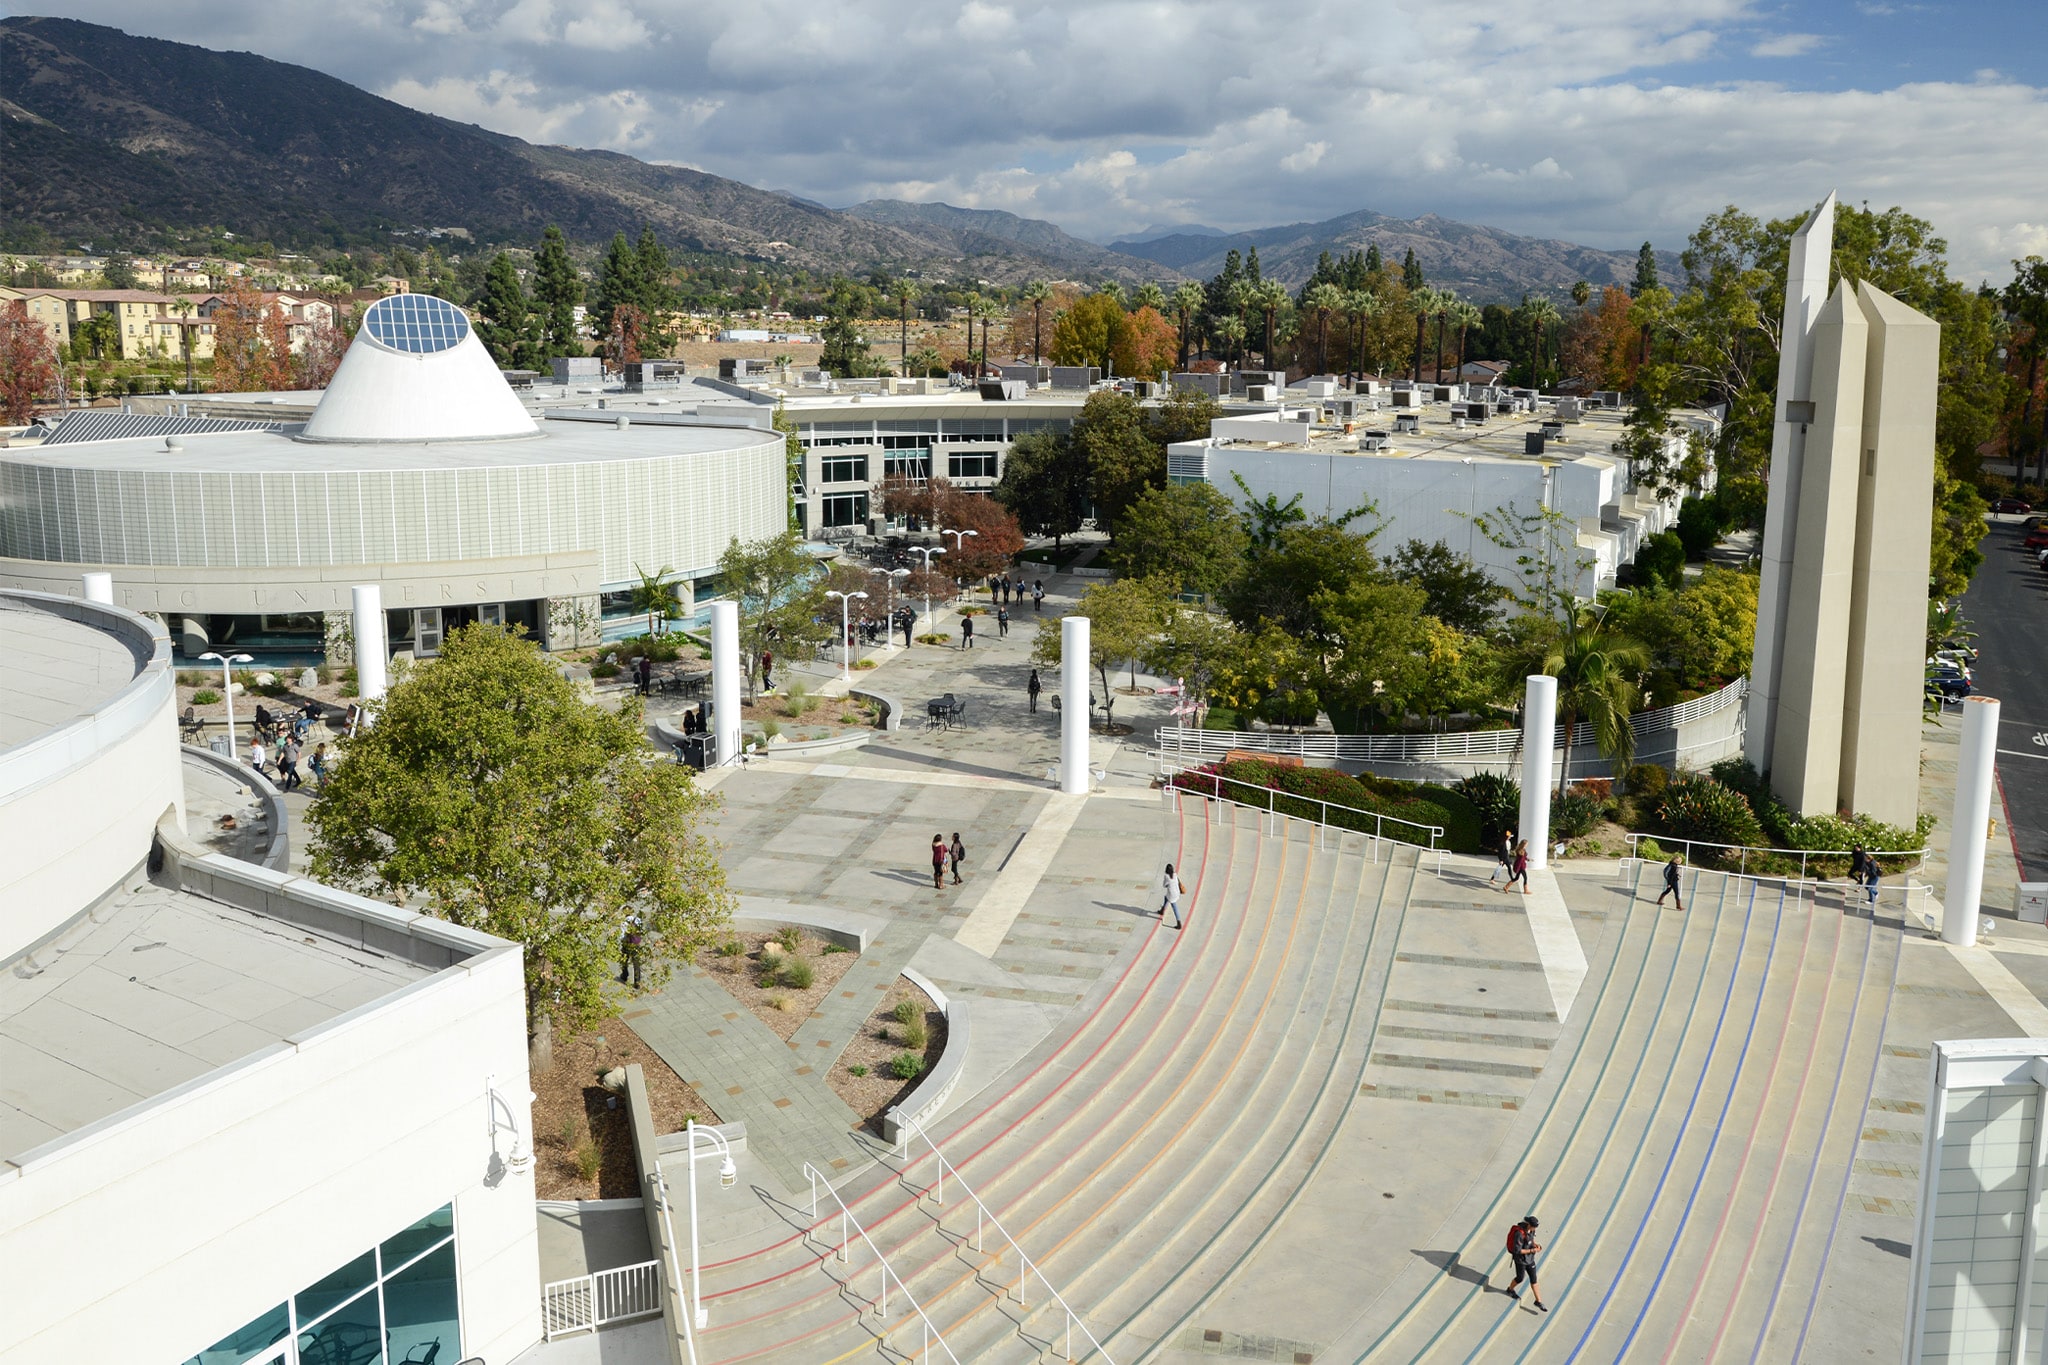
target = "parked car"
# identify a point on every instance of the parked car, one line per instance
(1947, 684)
(2037, 537)
(1960, 648)
(1951, 662)
(2011, 505)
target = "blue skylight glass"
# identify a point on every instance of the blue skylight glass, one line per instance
(418, 324)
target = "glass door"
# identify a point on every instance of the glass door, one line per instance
(426, 631)
(491, 613)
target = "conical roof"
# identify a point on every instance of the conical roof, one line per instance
(416, 372)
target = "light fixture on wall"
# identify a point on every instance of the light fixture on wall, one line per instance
(504, 1118)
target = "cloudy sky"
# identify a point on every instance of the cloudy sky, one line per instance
(1599, 121)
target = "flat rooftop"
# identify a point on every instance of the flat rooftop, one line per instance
(53, 671)
(157, 989)
(1499, 437)
(269, 452)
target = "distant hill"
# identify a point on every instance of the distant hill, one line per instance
(103, 134)
(977, 233)
(1484, 264)
(1158, 230)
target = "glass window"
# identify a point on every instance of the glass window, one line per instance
(420, 1311)
(437, 1226)
(323, 1294)
(351, 1335)
(917, 468)
(980, 465)
(844, 469)
(846, 509)
(250, 1340)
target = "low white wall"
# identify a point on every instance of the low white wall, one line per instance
(79, 804)
(155, 1232)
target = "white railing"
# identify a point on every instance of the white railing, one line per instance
(984, 1216)
(846, 1219)
(1268, 799)
(1799, 883)
(588, 1302)
(1456, 746)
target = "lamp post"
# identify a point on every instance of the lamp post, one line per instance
(889, 622)
(958, 536)
(927, 551)
(845, 630)
(227, 688)
(728, 1176)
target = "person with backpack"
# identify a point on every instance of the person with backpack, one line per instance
(1032, 689)
(966, 632)
(1522, 1249)
(318, 763)
(956, 855)
(1170, 884)
(1003, 618)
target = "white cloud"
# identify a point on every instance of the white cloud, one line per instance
(1787, 45)
(1599, 121)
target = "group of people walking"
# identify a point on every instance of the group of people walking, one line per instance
(286, 766)
(1003, 591)
(1512, 857)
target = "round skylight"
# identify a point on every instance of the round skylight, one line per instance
(417, 324)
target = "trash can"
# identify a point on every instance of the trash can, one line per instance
(219, 744)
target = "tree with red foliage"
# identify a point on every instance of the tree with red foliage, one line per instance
(1600, 346)
(996, 542)
(28, 364)
(252, 350)
(325, 346)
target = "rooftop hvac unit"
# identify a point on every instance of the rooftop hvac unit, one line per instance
(1532, 443)
(1408, 422)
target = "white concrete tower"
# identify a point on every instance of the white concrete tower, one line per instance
(1806, 288)
(1539, 738)
(373, 656)
(726, 672)
(1074, 632)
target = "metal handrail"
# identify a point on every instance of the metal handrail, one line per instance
(1435, 832)
(1789, 880)
(584, 1303)
(982, 1213)
(675, 1274)
(931, 1331)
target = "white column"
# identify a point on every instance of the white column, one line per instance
(373, 656)
(726, 670)
(1539, 735)
(1970, 830)
(99, 587)
(1074, 704)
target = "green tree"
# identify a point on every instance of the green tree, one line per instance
(792, 461)
(1186, 304)
(618, 285)
(845, 352)
(1124, 615)
(1322, 301)
(490, 794)
(556, 291)
(1646, 273)
(657, 298)
(1197, 648)
(1582, 290)
(504, 320)
(119, 271)
(1088, 332)
(1283, 581)
(1373, 632)
(781, 600)
(1045, 484)
(1599, 675)
(1184, 536)
(1411, 272)
(1456, 590)
(1121, 457)
(1661, 559)
(1183, 415)
(1541, 314)
(656, 596)
(1717, 615)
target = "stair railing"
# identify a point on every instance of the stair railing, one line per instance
(846, 1219)
(984, 1217)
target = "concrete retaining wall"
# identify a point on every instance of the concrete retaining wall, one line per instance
(930, 1095)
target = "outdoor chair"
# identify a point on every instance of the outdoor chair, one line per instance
(190, 726)
(957, 714)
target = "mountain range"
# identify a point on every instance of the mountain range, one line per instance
(112, 137)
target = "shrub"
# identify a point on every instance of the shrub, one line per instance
(1219, 718)
(935, 637)
(798, 974)
(790, 937)
(1289, 708)
(570, 1128)
(732, 947)
(905, 1066)
(1703, 809)
(1366, 795)
(1700, 523)
(862, 665)
(1498, 799)
(798, 700)
(191, 678)
(606, 669)
(588, 1159)
(856, 1070)
(205, 696)
(1661, 560)
(915, 1036)
(1601, 789)
(1646, 780)
(780, 1003)
(1573, 815)
(832, 948)
(906, 1011)
(766, 980)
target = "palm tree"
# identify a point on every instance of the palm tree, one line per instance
(1599, 673)
(982, 310)
(1035, 294)
(1323, 300)
(1230, 331)
(1272, 297)
(1581, 292)
(1467, 316)
(925, 359)
(1112, 290)
(905, 292)
(1423, 301)
(1149, 295)
(656, 595)
(1363, 305)
(183, 308)
(1540, 312)
(1446, 300)
(1186, 301)
(1244, 297)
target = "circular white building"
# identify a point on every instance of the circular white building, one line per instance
(419, 471)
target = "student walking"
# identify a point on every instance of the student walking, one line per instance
(966, 632)
(1870, 876)
(1172, 891)
(256, 753)
(630, 954)
(767, 671)
(1671, 884)
(1003, 617)
(318, 763)
(956, 855)
(1522, 1249)
(1520, 872)
(1038, 594)
(1503, 859)
(939, 853)
(1032, 689)
(288, 766)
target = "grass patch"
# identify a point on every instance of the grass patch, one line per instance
(915, 1036)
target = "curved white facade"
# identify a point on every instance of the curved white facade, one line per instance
(416, 372)
(82, 790)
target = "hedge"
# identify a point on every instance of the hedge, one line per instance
(1418, 802)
